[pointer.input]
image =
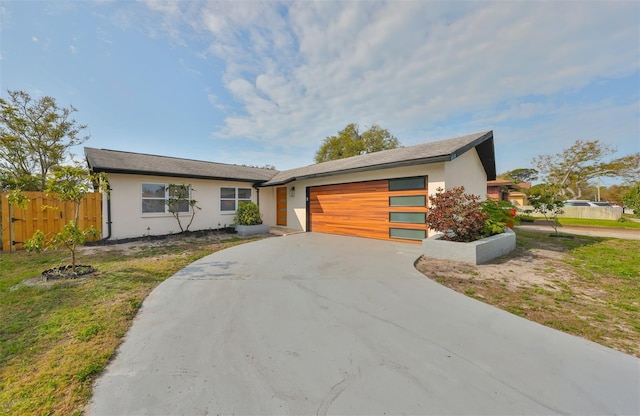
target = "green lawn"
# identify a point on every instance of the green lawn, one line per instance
(56, 337)
(600, 223)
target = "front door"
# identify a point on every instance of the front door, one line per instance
(281, 206)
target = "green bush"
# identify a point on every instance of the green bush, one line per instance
(248, 213)
(525, 218)
(502, 214)
(632, 200)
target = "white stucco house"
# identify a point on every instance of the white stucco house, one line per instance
(381, 195)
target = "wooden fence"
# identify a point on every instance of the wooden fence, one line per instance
(46, 214)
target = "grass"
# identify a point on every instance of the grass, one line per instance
(56, 337)
(589, 287)
(599, 223)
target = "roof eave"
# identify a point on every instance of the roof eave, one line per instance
(411, 162)
(176, 175)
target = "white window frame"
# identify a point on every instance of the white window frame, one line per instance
(164, 200)
(236, 198)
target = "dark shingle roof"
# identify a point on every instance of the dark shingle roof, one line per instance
(433, 152)
(113, 161)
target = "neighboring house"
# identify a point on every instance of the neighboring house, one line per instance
(381, 195)
(502, 190)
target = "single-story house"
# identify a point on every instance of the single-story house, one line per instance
(381, 195)
(503, 190)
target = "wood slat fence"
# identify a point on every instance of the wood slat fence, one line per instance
(19, 224)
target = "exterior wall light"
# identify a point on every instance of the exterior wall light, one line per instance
(292, 191)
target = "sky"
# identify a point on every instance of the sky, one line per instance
(262, 83)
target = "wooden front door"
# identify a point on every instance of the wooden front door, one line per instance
(281, 206)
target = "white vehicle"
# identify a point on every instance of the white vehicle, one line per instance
(582, 203)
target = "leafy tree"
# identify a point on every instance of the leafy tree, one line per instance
(267, 166)
(520, 175)
(573, 168)
(68, 184)
(457, 215)
(546, 200)
(35, 137)
(614, 193)
(350, 142)
(632, 200)
(179, 201)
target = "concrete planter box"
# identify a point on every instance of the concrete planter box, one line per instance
(245, 230)
(476, 252)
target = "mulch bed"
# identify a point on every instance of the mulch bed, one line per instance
(67, 272)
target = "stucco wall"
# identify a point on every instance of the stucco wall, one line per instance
(466, 170)
(129, 221)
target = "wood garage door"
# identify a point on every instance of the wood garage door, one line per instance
(392, 209)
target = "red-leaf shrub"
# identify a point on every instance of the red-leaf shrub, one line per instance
(457, 215)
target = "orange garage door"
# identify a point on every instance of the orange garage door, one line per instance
(392, 209)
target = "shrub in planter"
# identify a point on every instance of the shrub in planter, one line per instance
(458, 216)
(502, 214)
(248, 213)
(462, 217)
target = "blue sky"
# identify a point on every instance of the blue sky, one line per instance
(265, 82)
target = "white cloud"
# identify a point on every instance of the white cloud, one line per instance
(301, 71)
(72, 49)
(34, 39)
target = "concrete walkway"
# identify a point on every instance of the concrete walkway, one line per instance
(321, 324)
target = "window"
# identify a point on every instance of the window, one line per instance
(229, 198)
(408, 217)
(407, 234)
(408, 201)
(156, 195)
(405, 184)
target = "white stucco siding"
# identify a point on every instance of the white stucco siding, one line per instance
(467, 170)
(267, 202)
(127, 219)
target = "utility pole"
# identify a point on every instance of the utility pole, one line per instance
(598, 189)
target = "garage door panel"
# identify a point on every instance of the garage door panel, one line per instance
(359, 209)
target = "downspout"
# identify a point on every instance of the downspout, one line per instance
(108, 215)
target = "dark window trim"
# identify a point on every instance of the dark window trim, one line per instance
(397, 180)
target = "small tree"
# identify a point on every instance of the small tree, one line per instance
(546, 200)
(632, 200)
(180, 201)
(68, 184)
(457, 215)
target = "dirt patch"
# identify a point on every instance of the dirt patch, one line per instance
(540, 281)
(520, 268)
(137, 245)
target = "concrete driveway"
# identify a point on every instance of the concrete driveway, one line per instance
(321, 324)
